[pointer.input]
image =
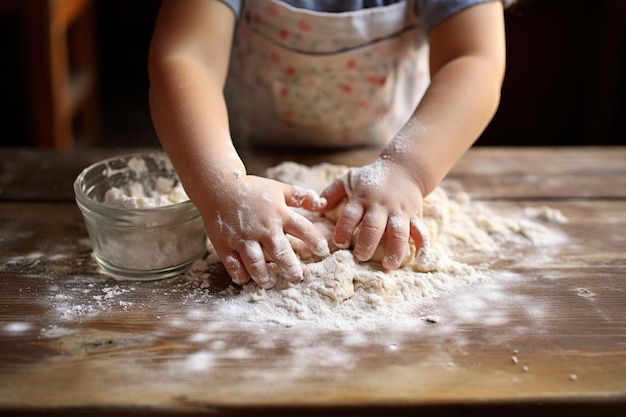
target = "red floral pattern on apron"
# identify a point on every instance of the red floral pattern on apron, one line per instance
(304, 78)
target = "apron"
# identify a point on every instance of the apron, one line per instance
(305, 78)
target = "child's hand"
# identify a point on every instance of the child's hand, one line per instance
(383, 201)
(248, 222)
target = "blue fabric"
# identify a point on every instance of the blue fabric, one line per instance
(430, 12)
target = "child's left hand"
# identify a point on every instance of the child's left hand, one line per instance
(384, 202)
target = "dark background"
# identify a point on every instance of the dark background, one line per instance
(565, 82)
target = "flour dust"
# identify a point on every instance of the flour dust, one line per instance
(470, 244)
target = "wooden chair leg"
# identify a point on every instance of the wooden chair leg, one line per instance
(61, 57)
(84, 75)
(46, 48)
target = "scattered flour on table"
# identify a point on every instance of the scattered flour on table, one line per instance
(546, 213)
(90, 300)
(339, 292)
(17, 327)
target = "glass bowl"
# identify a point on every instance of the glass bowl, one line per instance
(141, 224)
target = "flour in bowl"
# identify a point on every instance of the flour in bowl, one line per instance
(149, 192)
(140, 220)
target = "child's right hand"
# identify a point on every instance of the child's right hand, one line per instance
(249, 220)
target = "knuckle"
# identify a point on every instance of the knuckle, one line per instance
(398, 236)
(368, 230)
(351, 211)
(282, 253)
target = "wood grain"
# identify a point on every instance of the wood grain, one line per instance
(546, 335)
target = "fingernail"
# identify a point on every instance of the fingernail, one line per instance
(391, 262)
(319, 203)
(344, 245)
(266, 282)
(294, 273)
(361, 258)
(297, 196)
(241, 281)
(263, 279)
(296, 278)
(321, 249)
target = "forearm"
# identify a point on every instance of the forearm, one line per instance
(187, 66)
(459, 104)
(467, 58)
(190, 118)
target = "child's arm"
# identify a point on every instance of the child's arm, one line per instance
(245, 217)
(467, 59)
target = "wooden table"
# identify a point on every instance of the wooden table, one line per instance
(73, 340)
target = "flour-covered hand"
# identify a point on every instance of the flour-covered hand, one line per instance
(247, 224)
(384, 207)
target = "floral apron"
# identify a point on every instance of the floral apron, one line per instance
(304, 78)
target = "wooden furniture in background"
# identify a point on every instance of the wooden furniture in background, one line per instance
(60, 51)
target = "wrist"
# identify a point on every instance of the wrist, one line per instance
(207, 176)
(427, 152)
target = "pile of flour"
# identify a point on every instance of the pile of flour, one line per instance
(341, 292)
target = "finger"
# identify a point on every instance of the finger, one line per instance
(254, 260)
(280, 251)
(396, 242)
(234, 267)
(419, 235)
(300, 227)
(301, 197)
(369, 236)
(346, 224)
(334, 193)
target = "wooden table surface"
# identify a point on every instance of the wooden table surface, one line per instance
(73, 340)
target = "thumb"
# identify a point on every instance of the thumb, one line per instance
(334, 193)
(308, 199)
